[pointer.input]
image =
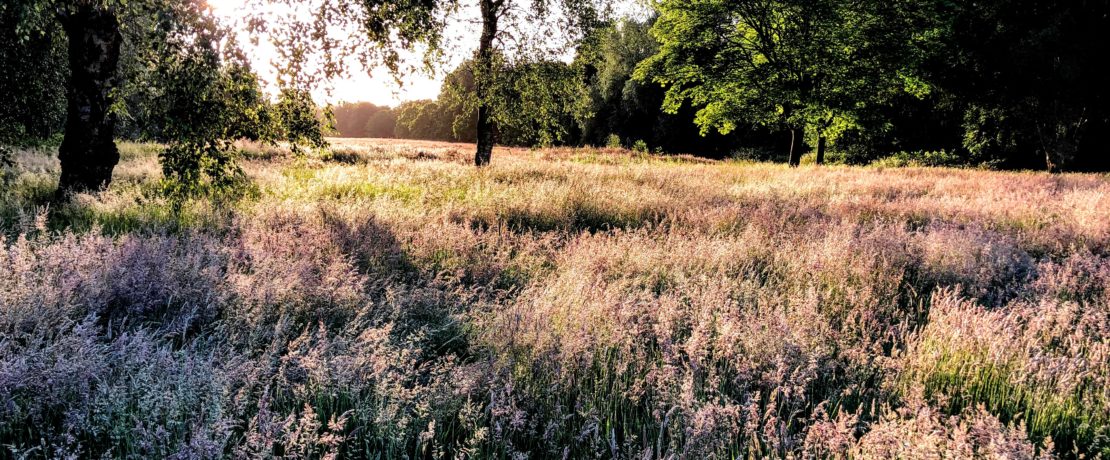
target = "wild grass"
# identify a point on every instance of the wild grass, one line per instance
(385, 299)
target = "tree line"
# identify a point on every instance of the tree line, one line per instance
(1001, 83)
(592, 100)
(1004, 84)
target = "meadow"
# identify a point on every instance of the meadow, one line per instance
(386, 299)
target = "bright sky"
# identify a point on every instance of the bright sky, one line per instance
(376, 86)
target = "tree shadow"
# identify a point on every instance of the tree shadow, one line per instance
(421, 303)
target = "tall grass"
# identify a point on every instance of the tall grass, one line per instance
(387, 300)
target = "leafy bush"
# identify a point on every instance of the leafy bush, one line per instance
(300, 121)
(197, 168)
(614, 142)
(939, 158)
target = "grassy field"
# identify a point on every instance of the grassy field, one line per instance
(388, 300)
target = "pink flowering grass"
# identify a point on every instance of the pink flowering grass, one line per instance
(387, 300)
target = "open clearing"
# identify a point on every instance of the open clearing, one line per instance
(387, 299)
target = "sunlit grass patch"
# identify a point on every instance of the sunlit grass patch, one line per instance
(1019, 364)
(387, 298)
(129, 151)
(617, 157)
(149, 216)
(366, 190)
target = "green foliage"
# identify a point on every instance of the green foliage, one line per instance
(611, 102)
(382, 125)
(300, 122)
(533, 103)
(1025, 75)
(384, 31)
(939, 158)
(32, 73)
(191, 168)
(426, 120)
(459, 99)
(208, 97)
(780, 64)
(182, 82)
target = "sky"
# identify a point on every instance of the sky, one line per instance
(376, 85)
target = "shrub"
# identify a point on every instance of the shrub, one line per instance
(614, 142)
(939, 158)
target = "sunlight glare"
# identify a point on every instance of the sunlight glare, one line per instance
(229, 9)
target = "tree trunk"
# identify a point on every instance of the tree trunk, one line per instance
(1060, 140)
(795, 147)
(486, 130)
(822, 141)
(88, 152)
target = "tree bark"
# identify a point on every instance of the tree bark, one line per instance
(88, 152)
(822, 141)
(486, 136)
(795, 147)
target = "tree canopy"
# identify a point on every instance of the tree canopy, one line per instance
(167, 70)
(779, 64)
(1004, 83)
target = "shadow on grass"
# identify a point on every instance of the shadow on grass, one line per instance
(579, 216)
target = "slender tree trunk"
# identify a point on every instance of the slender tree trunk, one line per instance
(822, 141)
(486, 129)
(795, 147)
(1060, 138)
(88, 152)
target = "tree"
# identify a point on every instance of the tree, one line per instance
(32, 78)
(1028, 78)
(498, 16)
(609, 98)
(353, 119)
(363, 119)
(300, 121)
(532, 102)
(155, 44)
(389, 27)
(610, 102)
(382, 125)
(784, 63)
(424, 119)
(103, 34)
(317, 39)
(539, 104)
(88, 152)
(205, 96)
(458, 96)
